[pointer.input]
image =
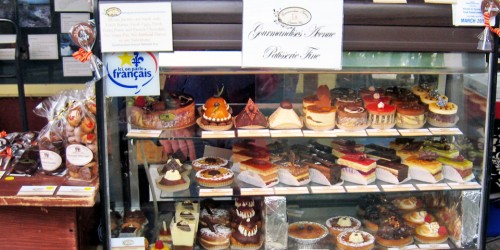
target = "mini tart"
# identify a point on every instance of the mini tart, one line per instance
(307, 232)
(339, 224)
(393, 232)
(362, 240)
(407, 204)
(442, 114)
(381, 116)
(209, 162)
(431, 233)
(215, 177)
(417, 218)
(410, 116)
(215, 238)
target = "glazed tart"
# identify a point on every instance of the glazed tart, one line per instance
(431, 233)
(208, 162)
(418, 218)
(307, 232)
(215, 177)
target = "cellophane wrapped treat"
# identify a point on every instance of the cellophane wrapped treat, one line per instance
(276, 226)
(81, 136)
(51, 137)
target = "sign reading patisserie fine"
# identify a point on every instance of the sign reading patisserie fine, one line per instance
(292, 34)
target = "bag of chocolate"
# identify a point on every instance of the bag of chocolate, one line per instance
(81, 138)
(51, 141)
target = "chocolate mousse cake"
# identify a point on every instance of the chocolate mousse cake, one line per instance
(399, 170)
(331, 172)
(246, 235)
(250, 117)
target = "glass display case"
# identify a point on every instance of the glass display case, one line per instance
(389, 151)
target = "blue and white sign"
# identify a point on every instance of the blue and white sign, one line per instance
(132, 74)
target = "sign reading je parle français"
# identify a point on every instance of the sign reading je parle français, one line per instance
(292, 34)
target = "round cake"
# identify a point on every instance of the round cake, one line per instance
(381, 116)
(355, 240)
(442, 114)
(216, 237)
(393, 232)
(421, 89)
(369, 91)
(408, 204)
(320, 118)
(410, 116)
(432, 97)
(208, 162)
(339, 224)
(215, 114)
(405, 99)
(172, 181)
(246, 235)
(176, 110)
(352, 117)
(215, 177)
(351, 100)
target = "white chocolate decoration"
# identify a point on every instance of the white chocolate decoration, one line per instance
(380, 105)
(356, 237)
(344, 222)
(172, 175)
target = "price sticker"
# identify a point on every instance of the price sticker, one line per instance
(465, 185)
(216, 192)
(327, 189)
(290, 190)
(356, 133)
(257, 191)
(253, 133)
(434, 186)
(286, 133)
(313, 133)
(445, 131)
(415, 132)
(218, 134)
(76, 191)
(397, 188)
(362, 189)
(36, 190)
(382, 132)
(144, 133)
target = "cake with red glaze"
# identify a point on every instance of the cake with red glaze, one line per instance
(376, 98)
(359, 169)
(381, 116)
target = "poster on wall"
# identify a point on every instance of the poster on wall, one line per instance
(292, 34)
(131, 74)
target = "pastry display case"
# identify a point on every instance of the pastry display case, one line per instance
(389, 151)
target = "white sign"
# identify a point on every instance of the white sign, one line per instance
(467, 13)
(43, 47)
(132, 74)
(73, 5)
(292, 34)
(73, 67)
(136, 26)
(70, 19)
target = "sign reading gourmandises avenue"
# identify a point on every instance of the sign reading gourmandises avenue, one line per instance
(292, 34)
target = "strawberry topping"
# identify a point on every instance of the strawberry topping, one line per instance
(428, 218)
(140, 101)
(442, 230)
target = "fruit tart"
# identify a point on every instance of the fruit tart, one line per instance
(339, 224)
(431, 233)
(355, 240)
(417, 218)
(393, 232)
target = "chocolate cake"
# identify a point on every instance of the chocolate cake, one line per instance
(375, 147)
(380, 155)
(250, 117)
(397, 169)
(330, 171)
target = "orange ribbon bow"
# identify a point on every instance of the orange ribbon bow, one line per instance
(487, 23)
(82, 55)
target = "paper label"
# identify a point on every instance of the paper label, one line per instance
(218, 134)
(341, 132)
(397, 188)
(43, 47)
(467, 13)
(290, 190)
(434, 246)
(216, 192)
(50, 160)
(257, 191)
(445, 131)
(130, 243)
(286, 133)
(414, 132)
(431, 187)
(441, 1)
(314, 133)
(73, 67)
(144, 133)
(76, 191)
(1, 174)
(253, 133)
(7, 54)
(327, 189)
(78, 154)
(362, 189)
(410, 247)
(465, 185)
(382, 132)
(37, 190)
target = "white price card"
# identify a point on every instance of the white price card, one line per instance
(415, 132)
(36, 190)
(43, 47)
(398, 188)
(204, 192)
(73, 67)
(256, 191)
(314, 133)
(467, 13)
(433, 246)
(253, 133)
(465, 185)
(1, 174)
(7, 54)
(286, 133)
(341, 132)
(432, 186)
(445, 131)
(327, 189)
(144, 133)
(290, 190)
(218, 134)
(70, 19)
(410, 247)
(362, 189)
(382, 132)
(76, 191)
(441, 1)
(127, 243)
(141, 26)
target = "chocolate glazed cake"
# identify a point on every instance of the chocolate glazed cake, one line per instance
(397, 169)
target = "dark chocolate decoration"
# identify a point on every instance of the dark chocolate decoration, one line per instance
(286, 105)
(184, 226)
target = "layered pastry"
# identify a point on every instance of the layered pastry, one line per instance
(376, 98)
(339, 224)
(216, 113)
(215, 237)
(343, 152)
(431, 233)
(172, 181)
(442, 114)
(266, 170)
(348, 100)
(215, 216)
(186, 215)
(247, 145)
(456, 169)
(400, 143)
(432, 97)
(248, 154)
(417, 218)
(379, 148)
(278, 150)
(393, 169)
(352, 117)
(215, 177)
(425, 167)
(292, 173)
(173, 164)
(250, 117)
(325, 174)
(445, 151)
(320, 115)
(410, 116)
(380, 155)
(285, 117)
(208, 162)
(176, 110)
(183, 234)
(246, 235)
(407, 204)
(188, 205)
(359, 169)
(355, 240)
(381, 116)
(340, 144)
(410, 149)
(393, 232)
